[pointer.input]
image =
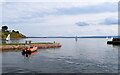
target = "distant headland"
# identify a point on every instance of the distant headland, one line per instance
(13, 33)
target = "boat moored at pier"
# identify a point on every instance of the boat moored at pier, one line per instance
(115, 41)
(29, 49)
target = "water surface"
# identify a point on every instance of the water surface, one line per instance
(84, 55)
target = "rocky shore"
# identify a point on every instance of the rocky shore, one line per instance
(40, 46)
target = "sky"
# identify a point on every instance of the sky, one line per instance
(61, 18)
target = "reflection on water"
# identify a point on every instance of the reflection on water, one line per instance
(29, 54)
(84, 56)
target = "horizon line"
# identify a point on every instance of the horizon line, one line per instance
(71, 36)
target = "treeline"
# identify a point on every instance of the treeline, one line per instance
(5, 29)
(13, 33)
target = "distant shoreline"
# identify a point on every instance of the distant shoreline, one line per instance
(81, 37)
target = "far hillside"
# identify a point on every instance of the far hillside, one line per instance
(13, 33)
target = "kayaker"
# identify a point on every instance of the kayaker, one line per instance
(26, 48)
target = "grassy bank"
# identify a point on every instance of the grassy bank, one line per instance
(24, 43)
(13, 35)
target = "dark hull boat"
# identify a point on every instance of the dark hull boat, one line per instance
(115, 41)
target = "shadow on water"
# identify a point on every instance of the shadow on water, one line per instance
(114, 45)
(29, 54)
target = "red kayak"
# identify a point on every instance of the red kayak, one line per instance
(29, 49)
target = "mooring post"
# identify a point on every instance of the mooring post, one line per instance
(26, 42)
(30, 42)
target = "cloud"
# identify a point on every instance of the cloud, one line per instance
(50, 18)
(25, 12)
(110, 21)
(82, 24)
(100, 8)
(30, 12)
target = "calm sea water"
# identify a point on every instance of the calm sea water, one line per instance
(84, 55)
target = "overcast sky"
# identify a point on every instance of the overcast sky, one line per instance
(65, 18)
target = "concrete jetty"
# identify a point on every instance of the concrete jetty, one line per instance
(40, 46)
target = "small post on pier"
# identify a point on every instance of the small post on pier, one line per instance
(26, 42)
(30, 42)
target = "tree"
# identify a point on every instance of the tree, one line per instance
(17, 32)
(4, 28)
(7, 31)
(13, 30)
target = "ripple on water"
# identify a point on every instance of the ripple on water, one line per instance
(69, 62)
(19, 70)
